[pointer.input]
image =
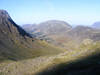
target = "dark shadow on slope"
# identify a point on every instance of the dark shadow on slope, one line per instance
(21, 31)
(86, 66)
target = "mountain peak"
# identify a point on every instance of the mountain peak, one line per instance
(8, 25)
(4, 13)
(54, 27)
(56, 22)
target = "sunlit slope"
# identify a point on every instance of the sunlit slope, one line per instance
(83, 61)
(76, 61)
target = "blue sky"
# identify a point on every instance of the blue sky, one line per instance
(75, 12)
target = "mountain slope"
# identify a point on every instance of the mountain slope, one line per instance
(63, 35)
(53, 31)
(53, 27)
(83, 32)
(16, 44)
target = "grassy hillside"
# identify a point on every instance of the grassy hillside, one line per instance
(16, 44)
(80, 61)
(18, 51)
(84, 61)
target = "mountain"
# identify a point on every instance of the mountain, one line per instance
(84, 32)
(17, 44)
(62, 34)
(96, 25)
(30, 54)
(53, 31)
(81, 35)
(53, 27)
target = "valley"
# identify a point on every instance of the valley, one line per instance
(50, 48)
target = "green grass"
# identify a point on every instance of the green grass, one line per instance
(56, 62)
(77, 61)
(18, 51)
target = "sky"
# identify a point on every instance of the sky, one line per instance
(74, 12)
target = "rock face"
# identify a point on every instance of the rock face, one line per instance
(16, 44)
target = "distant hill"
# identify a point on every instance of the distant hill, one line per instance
(63, 34)
(96, 25)
(53, 31)
(84, 32)
(17, 44)
(49, 27)
(52, 27)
